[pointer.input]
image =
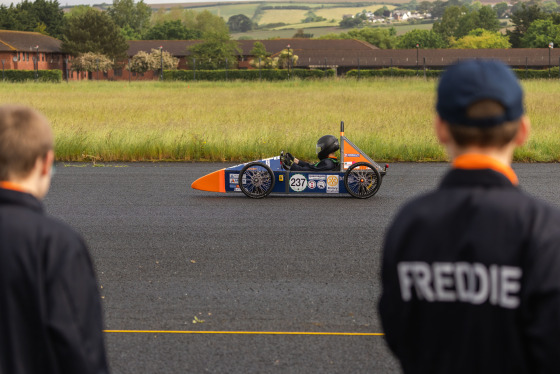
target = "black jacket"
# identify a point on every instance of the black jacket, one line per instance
(50, 309)
(471, 279)
(325, 164)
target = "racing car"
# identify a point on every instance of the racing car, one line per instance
(358, 175)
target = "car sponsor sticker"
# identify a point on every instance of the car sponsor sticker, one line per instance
(233, 178)
(321, 185)
(348, 164)
(298, 182)
(312, 185)
(316, 177)
(351, 155)
(332, 184)
(281, 178)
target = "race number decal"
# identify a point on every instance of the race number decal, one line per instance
(298, 182)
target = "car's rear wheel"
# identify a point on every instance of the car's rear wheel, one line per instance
(362, 180)
(256, 180)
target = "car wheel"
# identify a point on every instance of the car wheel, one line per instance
(256, 180)
(362, 180)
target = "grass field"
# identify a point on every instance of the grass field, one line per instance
(282, 15)
(390, 119)
(337, 13)
(226, 11)
(287, 32)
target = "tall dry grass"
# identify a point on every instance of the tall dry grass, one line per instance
(390, 119)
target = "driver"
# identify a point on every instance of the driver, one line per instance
(326, 147)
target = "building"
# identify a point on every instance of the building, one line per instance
(21, 50)
(29, 50)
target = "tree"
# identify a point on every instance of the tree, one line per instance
(381, 38)
(125, 13)
(424, 7)
(93, 31)
(287, 59)
(501, 9)
(41, 15)
(239, 23)
(209, 23)
(438, 8)
(482, 39)
(487, 19)
(214, 51)
(540, 34)
(449, 22)
(171, 30)
(522, 18)
(427, 39)
(381, 11)
(300, 33)
(262, 57)
(350, 22)
(550, 7)
(259, 50)
(457, 21)
(91, 62)
(142, 61)
(49, 14)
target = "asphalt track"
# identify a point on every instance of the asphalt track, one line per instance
(196, 282)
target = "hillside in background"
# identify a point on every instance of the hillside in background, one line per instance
(284, 19)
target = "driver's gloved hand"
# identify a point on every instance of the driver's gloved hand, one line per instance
(289, 158)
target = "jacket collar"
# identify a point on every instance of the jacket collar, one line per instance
(13, 196)
(476, 161)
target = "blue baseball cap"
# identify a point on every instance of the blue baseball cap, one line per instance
(470, 81)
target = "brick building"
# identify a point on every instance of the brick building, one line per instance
(21, 50)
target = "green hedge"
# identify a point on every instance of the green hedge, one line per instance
(396, 72)
(536, 74)
(252, 74)
(392, 72)
(29, 75)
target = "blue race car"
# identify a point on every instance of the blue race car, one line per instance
(358, 175)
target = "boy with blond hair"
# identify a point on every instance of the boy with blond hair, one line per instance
(471, 271)
(50, 310)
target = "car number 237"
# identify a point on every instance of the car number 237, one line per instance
(298, 182)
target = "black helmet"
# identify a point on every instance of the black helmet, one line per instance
(326, 145)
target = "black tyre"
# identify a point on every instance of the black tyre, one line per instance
(256, 180)
(362, 180)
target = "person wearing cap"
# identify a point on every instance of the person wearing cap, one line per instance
(50, 308)
(471, 271)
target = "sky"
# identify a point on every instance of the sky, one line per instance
(92, 2)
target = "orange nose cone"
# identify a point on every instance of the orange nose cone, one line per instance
(213, 182)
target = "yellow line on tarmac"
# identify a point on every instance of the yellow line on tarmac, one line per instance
(246, 332)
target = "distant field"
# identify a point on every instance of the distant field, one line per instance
(390, 119)
(310, 25)
(286, 33)
(282, 15)
(337, 13)
(226, 11)
(403, 29)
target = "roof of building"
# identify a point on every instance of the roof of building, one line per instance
(445, 57)
(178, 48)
(24, 41)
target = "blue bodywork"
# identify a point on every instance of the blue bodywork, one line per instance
(291, 181)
